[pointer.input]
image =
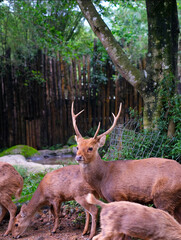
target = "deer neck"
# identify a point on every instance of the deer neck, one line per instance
(94, 173)
(35, 203)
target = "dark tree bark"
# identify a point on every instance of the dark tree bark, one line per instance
(162, 51)
(163, 33)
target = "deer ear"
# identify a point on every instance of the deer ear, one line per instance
(23, 214)
(102, 141)
(23, 211)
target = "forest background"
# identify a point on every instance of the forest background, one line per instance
(39, 31)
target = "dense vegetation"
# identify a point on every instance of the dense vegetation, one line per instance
(31, 182)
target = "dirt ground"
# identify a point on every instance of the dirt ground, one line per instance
(70, 228)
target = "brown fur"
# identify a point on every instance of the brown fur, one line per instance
(156, 180)
(135, 220)
(11, 184)
(60, 185)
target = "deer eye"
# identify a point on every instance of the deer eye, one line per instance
(16, 225)
(90, 149)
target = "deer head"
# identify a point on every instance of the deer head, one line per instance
(87, 149)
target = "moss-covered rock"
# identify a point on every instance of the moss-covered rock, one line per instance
(24, 150)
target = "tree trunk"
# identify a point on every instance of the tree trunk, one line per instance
(163, 32)
(162, 51)
(179, 70)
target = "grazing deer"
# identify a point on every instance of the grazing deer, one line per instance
(135, 220)
(11, 184)
(156, 180)
(60, 185)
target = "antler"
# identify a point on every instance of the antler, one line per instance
(74, 116)
(95, 135)
(113, 125)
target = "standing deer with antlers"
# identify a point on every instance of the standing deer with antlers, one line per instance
(156, 180)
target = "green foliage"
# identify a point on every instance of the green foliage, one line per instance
(71, 141)
(55, 147)
(170, 111)
(59, 26)
(33, 76)
(31, 182)
(144, 144)
(170, 105)
(24, 150)
(132, 141)
(99, 63)
(129, 29)
(37, 25)
(128, 23)
(92, 131)
(176, 148)
(81, 45)
(21, 170)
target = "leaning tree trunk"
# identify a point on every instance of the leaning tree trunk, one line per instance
(113, 48)
(162, 51)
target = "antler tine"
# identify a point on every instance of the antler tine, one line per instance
(114, 122)
(98, 128)
(74, 116)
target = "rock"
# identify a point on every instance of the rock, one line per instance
(58, 152)
(24, 150)
(59, 156)
(14, 159)
(20, 160)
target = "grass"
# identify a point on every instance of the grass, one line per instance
(31, 182)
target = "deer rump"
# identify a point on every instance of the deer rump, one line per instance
(11, 184)
(135, 220)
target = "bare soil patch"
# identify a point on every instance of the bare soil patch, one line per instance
(70, 228)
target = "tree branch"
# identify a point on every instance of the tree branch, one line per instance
(113, 48)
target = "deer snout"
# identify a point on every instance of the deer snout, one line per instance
(79, 158)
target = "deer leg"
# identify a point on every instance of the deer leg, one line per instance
(93, 211)
(3, 212)
(11, 207)
(55, 211)
(105, 238)
(104, 235)
(97, 237)
(86, 222)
